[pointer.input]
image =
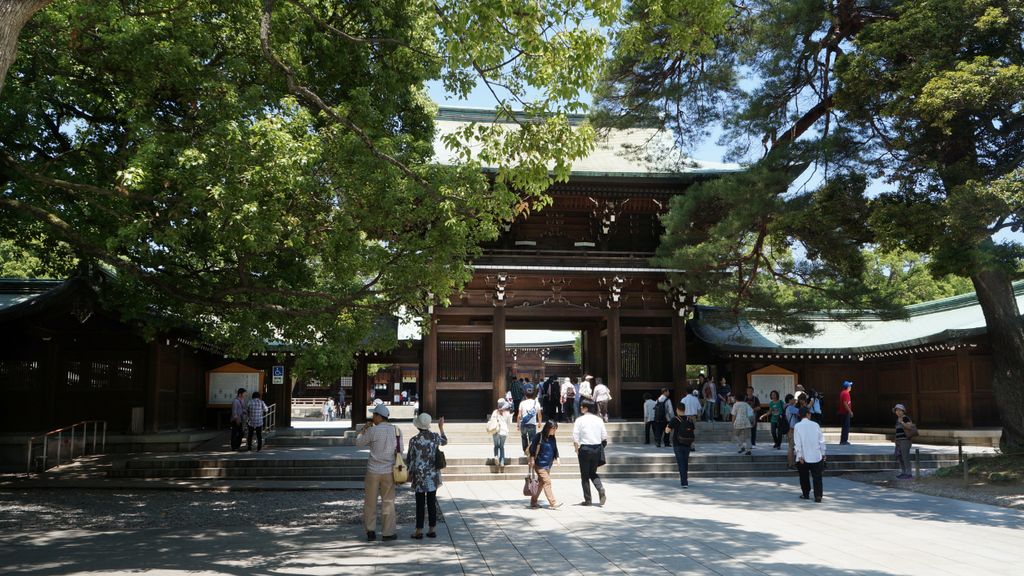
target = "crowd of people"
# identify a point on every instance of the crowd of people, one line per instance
(536, 412)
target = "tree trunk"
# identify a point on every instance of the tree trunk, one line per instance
(1006, 337)
(13, 16)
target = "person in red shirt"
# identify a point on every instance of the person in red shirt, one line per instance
(845, 412)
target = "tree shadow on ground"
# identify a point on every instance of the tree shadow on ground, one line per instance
(781, 494)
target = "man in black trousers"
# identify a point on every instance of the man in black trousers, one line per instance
(809, 446)
(590, 437)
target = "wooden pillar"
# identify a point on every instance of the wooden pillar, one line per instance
(359, 392)
(679, 383)
(592, 363)
(964, 378)
(428, 401)
(614, 374)
(284, 397)
(498, 355)
(915, 402)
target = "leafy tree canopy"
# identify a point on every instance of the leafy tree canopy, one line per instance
(922, 95)
(262, 170)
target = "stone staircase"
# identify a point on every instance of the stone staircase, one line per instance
(476, 434)
(628, 458)
(658, 465)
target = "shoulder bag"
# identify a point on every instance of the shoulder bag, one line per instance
(492, 424)
(910, 429)
(400, 471)
(440, 462)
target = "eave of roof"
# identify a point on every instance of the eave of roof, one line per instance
(943, 323)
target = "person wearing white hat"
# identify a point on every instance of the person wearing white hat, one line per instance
(423, 472)
(903, 441)
(384, 440)
(499, 423)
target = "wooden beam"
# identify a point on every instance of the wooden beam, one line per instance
(614, 377)
(464, 386)
(359, 392)
(964, 380)
(678, 357)
(473, 329)
(428, 401)
(646, 385)
(498, 356)
(542, 312)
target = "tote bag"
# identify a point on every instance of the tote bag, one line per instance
(400, 471)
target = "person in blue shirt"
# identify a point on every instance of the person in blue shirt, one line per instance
(543, 453)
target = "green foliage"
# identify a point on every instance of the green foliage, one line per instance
(924, 95)
(277, 182)
(17, 262)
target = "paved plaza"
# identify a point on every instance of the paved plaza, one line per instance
(740, 526)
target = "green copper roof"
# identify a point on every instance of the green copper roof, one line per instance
(932, 322)
(618, 153)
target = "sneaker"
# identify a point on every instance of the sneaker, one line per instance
(685, 486)
(748, 453)
(818, 500)
(603, 498)
(805, 497)
(740, 451)
(586, 503)
(389, 538)
(371, 536)
(844, 444)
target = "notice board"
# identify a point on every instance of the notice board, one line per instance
(222, 384)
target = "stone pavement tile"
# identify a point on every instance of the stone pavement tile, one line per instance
(533, 532)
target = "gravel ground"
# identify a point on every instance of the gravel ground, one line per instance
(1007, 496)
(117, 509)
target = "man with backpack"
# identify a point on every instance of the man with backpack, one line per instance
(568, 397)
(662, 410)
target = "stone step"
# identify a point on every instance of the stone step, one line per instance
(622, 459)
(354, 469)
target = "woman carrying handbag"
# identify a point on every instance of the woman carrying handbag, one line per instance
(424, 471)
(905, 432)
(544, 453)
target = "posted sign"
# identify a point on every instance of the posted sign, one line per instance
(278, 375)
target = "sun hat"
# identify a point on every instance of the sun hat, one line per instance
(382, 410)
(899, 407)
(847, 383)
(422, 421)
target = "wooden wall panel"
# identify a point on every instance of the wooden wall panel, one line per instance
(981, 371)
(937, 375)
(894, 378)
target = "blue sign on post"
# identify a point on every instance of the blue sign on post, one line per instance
(278, 375)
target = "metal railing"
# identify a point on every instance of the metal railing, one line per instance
(66, 440)
(309, 402)
(270, 419)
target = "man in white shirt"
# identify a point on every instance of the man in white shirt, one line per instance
(384, 440)
(691, 404)
(809, 445)
(589, 436)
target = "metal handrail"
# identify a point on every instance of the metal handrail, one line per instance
(270, 418)
(315, 402)
(59, 433)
